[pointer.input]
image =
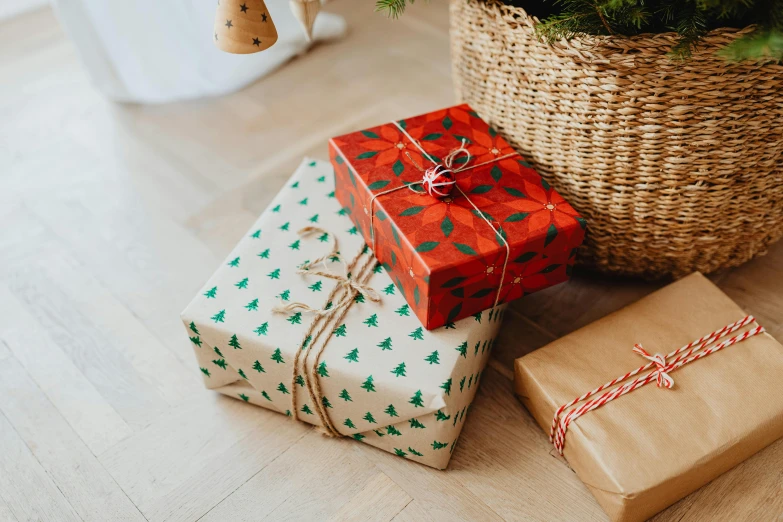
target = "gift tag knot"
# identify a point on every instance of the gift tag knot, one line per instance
(438, 181)
(662, 378)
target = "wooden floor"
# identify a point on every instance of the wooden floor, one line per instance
(113, 216)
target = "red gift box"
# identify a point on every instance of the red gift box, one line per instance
(503, 233)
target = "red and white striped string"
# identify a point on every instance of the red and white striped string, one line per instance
(684, 355)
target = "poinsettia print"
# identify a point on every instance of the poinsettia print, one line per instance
(488, 145)
(387, 146)
(547, 211)
(447, 255)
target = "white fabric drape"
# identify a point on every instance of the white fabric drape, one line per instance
(157, 51)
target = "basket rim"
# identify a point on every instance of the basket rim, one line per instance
(716, 38)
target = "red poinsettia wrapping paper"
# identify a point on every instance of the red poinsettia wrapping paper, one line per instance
(504, 234)
(384, 379)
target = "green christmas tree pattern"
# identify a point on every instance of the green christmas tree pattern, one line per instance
(234, 262)
(386, 344)
(274, 274)
(278, 357)
(296, 318)
(352, 356)
(295, 245)
(326, 402)
(404, 310)
(193, 328)
(264, 254)
(391, 411)
(368, 384)
(262, 330)
(341, 331)
(391, 430)
(244, 397)
(399, 370)
(211, 293)
(285, 295)
(416, 400)
(257, 367)
(234, 342)
(446, 386)
(219, 317)
(252, 305)
(389, 290)
(282, 389)
(242, 284)
(256, 234)
(463, 349)
(369, 418)
(316, 287)
(417, 334)
(344, 395)
(372, 320)
(433, 358)
(416, 423)
(242, 373)
(440, 416)
(205, 372)
(439, 445)
(322, 371)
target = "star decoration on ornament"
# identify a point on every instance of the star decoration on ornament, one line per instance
(256, 42)
(263, 17)
(243, 7)
(229, 24)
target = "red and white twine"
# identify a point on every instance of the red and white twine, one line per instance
(682, 356)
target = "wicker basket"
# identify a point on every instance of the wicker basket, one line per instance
(676, 166)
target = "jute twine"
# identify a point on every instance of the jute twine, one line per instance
(326, 319)
(677, 166)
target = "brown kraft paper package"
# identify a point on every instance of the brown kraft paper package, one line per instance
(648, 449)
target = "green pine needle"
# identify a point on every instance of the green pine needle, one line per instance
(392, 8)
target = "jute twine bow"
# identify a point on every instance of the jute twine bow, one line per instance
(326, 319)
(692, 351)
(429, 177)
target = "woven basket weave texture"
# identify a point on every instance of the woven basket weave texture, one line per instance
(677, 166)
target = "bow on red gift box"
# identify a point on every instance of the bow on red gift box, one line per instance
(439, 181)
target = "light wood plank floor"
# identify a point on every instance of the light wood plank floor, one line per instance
(113, 216)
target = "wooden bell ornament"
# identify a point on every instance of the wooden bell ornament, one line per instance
(243, 26)
(305, 11)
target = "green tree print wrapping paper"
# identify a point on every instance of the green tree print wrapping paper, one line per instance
(386, 381)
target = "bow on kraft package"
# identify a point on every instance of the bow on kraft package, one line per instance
(656, 400)
(302, 320)
(458, 219)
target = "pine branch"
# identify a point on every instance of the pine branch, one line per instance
(756, 45)
(392, 8)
